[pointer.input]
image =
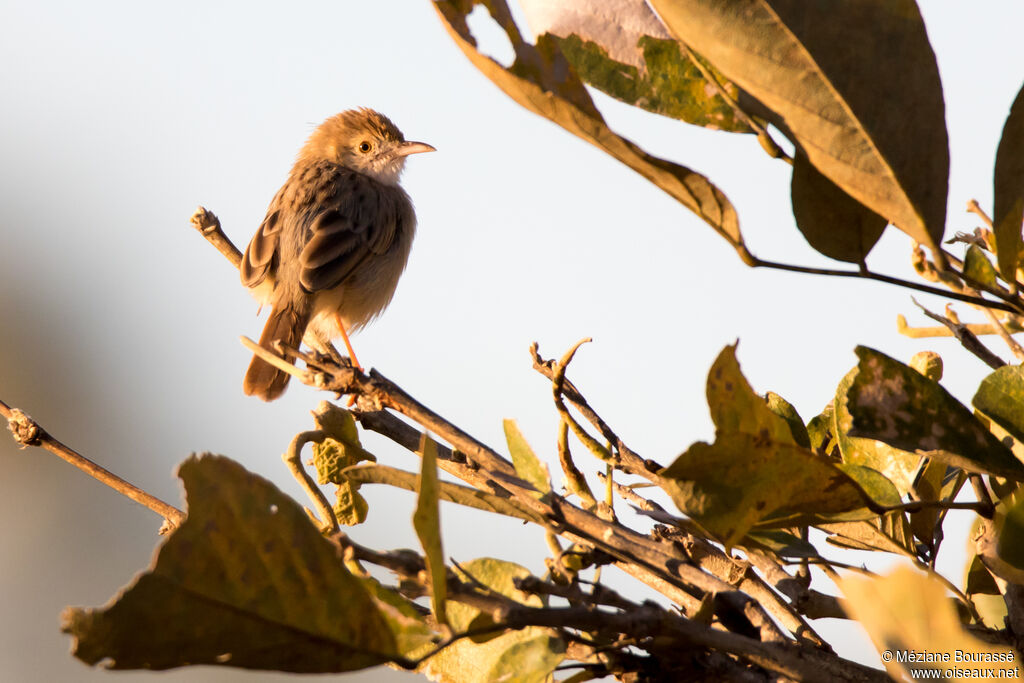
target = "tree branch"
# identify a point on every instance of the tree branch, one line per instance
(1013, 307)
(27, 432)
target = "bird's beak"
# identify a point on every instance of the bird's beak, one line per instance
(407, 148)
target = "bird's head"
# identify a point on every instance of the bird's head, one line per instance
(365, 141)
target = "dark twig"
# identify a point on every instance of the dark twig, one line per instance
(648, 624)
(966, 338)
(1010, 305)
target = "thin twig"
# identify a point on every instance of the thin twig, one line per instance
(293, 458)
(628, 460)
(966, 338)
(208, 225)
(27, 432)
(1012, 306)
(654, 563)
(929, 332)
(975, 208)
(1000, 329)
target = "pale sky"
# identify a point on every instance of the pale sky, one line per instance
(120, 324)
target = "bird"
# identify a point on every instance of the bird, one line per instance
(337, 235)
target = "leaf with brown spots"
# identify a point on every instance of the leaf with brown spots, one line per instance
(735, 406)
(741, 480)
(755, 471)
(896, 465)
(893, 403)
(246, 581)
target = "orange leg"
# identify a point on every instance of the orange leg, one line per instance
(348, 344)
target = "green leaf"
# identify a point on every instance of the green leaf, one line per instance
(876, 485)
(453, 493)
(978, 268)
(787, 412)
(349, 505)
(838, 103)
(669, 84)
(246, 581)
(833, 222)
(868, 535)
(527, 465)
(336, 452)
(1000, 396)
(530, 660)
(542, 81)
(330, 458)
(1008, 211)
(780, 543)
(1010, 539)
(427, 522)
(477, 660)
(891, 402)
(819, 431)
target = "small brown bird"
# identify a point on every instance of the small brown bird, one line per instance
(335, 240)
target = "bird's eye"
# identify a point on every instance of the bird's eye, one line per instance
(364, 147)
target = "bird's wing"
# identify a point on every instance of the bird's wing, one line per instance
(261, 255)
(360, 219)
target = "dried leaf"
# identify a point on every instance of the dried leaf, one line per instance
(246, 581)
(909, 615)
(844, 107)
(833, 222)
(1008, 212)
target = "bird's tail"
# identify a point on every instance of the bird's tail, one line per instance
(286, 325)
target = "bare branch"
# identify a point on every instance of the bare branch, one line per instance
(27, 432)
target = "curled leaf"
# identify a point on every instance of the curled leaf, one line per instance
(542, 81)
